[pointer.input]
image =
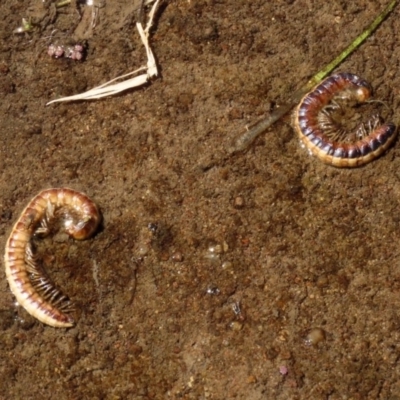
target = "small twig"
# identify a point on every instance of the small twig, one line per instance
(109, 88)
(243, 142)
(140, 12)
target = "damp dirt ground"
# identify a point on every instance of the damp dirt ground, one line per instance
(265, 275)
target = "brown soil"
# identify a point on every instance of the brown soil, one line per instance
(204, 282)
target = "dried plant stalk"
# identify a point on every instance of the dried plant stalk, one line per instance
(110, 88)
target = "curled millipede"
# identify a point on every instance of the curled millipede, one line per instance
(332, 144)
(27, 279)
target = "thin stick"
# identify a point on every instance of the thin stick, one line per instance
(346, 52)
(110, 88)
(247, 138)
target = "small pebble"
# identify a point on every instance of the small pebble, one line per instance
(227, 265)
(213, 252)
(239, 202)
(213, 290)
(322, 281)
(283, 370)
(153, 227)
(215, 248)
(236, 326)
(26, 321)
(143, 250)
(314, 336)
(177, 256)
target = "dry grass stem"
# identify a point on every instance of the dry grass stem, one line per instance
(110, 88)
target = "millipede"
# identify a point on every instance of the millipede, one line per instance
(318, 133)
(28, 281)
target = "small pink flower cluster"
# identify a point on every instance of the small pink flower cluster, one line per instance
(75, 52)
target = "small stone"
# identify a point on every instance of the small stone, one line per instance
(239, 202)
(214, 251)
(322, 281)
(227, 265)
(143, 250)
(236, 326)
(177, 256)
(283, 370)
(213, 290)
(315, 336)
(25, 320)
(215, 248)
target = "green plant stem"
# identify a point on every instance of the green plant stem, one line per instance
(243, 142)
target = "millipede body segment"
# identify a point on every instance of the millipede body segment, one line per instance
(27, 280)
(372, 139)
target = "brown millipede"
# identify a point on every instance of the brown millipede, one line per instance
(311, 121)
(28, 281)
